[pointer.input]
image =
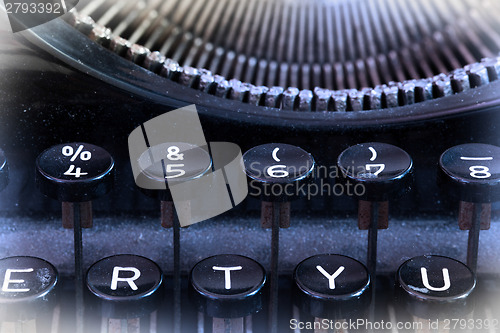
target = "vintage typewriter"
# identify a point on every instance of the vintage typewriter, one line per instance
(390, 85)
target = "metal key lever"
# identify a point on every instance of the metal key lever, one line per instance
(274, 287)
(232, 325)
(78, 248)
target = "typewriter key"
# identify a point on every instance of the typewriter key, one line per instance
(127, 290)
(174, 163)
(433, 287)
(383, 171)
(471, 172)
(332, 286)
(27, 293)
(128, 286)
(4, 171)
(227, 288)
(75, 173)
(276, 173)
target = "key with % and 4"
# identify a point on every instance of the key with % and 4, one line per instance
(75, 172)
(84, 156)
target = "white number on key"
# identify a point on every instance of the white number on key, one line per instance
(479, 171)
(171, 168)
(376, 173)
(277, 171)
(78, 172)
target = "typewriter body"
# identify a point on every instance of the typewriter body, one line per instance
(74, 80)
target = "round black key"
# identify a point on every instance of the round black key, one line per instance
(27, 284)
(171, 163)
(227, 286)
(432, 286)
(332, 286)
(273, 166)
(4, 171)
(382, 169)
(75, 172)
(472, 171)
(128, 285)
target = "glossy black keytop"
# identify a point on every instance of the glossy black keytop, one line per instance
(276, 172)
(472, 171)
(227, 286)
(75, 172)
(434, 286)
(332, 286)
(27, 284)
(166, 165)
(171, 163)
(127, 285)
(382, 169)
(272, 166)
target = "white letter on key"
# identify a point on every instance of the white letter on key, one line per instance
(446, 278)
(227, 275)
(115, 279)
(331, 278)
(7, 280)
